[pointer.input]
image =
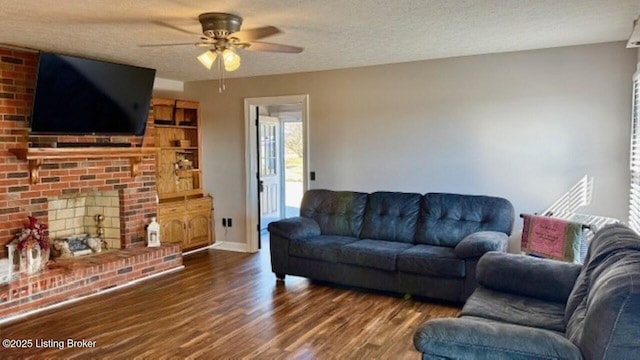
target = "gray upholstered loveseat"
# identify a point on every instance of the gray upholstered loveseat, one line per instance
(426, 245)
(529, 308)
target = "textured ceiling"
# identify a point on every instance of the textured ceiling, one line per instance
(335, 33)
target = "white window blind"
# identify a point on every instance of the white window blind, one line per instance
(634, 198)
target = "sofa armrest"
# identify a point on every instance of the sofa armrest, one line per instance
(543, 279)
(478, 243)
(473, 338)
(295, 228)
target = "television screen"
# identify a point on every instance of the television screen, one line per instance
(81, 96)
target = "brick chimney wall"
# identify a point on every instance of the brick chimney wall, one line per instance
(19, 198)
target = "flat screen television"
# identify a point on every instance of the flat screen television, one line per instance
(78, 96)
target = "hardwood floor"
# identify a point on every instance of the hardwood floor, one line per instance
(229, 305)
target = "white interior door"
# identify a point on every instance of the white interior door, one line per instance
(270, 169)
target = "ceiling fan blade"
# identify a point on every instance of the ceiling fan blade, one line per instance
(255, 34)
(164, 24)
(263, 46)
(174, 44)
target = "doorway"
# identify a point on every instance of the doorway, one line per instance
(277, 163)
(280, 163)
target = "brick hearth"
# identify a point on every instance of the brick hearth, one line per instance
(86, 275)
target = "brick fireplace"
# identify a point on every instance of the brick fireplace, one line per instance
(66, 193)
(63, 178)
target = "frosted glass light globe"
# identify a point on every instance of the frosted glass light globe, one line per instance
(207, 58)
(231, 60)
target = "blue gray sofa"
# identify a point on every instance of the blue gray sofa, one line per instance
(529, 308)
(426, 245)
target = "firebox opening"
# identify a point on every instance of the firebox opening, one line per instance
(75, 214)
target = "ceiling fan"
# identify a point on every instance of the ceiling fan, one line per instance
(222, 35)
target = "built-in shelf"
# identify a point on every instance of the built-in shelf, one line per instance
(185, 172)
(192, 127)
(173, 196)
(37, 156)
(178, 148)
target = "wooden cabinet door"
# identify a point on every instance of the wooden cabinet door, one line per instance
(173, 230)
(165, 179)
(199, 228)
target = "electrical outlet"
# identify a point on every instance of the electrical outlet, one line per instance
(224, 222)
(229, 222)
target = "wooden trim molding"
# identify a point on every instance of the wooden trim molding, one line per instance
(36, 156)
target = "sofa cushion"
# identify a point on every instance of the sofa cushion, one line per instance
(603, 310)
(377, 254)
(431, 260)
(323, 247)
(446, 219)
(336, 212)
(515, 309)
(391, 216)
(473, 338)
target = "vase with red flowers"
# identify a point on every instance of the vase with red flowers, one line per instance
(33, 246)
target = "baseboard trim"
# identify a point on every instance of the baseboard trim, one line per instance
(19, 316)
(229, 246)
(204, 248)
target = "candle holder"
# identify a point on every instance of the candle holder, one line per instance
(99, 218)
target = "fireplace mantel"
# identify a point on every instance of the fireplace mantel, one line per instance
(37, 156)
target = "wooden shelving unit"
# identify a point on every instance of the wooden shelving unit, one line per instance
(185, 214)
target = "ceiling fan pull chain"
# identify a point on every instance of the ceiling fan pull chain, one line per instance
(220, 80)
(222, 70)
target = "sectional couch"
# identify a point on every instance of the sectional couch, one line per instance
(426, 245)
(529, 308)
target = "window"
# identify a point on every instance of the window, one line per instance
(634, 197)
(268, 150)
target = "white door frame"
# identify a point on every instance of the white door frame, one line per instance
(251, 160)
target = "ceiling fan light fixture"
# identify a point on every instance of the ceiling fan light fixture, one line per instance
(231, 60)
(222, 36)
(207, 58)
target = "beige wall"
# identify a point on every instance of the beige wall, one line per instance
(168, 88)
(168, 94)
(525, 126)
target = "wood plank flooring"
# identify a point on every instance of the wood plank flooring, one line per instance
(229, 305)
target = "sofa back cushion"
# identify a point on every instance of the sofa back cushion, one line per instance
(391, 216)
(603, 310)
(446, 219)
(336, 212)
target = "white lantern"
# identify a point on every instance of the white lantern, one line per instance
(153, 233)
